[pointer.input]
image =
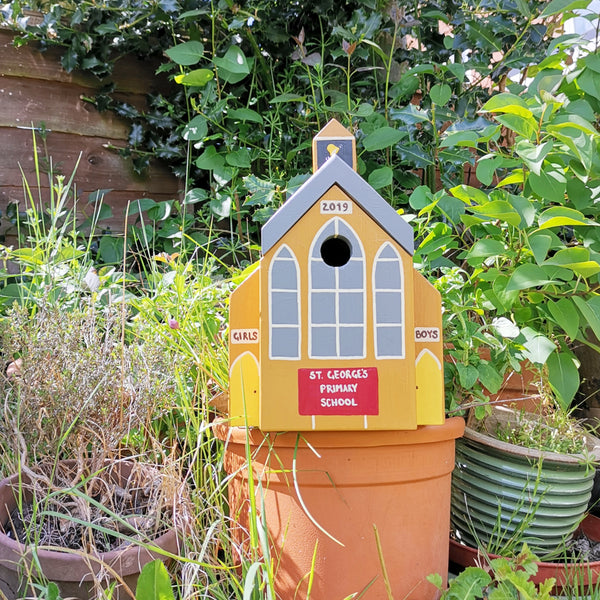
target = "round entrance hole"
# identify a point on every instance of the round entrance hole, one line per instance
(336, 251)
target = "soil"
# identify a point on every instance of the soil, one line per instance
(584, 549)
(115, 517)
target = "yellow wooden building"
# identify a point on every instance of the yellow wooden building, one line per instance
(336, 330)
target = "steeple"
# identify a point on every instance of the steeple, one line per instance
(334, 139)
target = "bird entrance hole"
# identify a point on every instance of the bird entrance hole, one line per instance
(336, 251)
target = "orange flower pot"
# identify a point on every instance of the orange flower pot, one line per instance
(354, 487)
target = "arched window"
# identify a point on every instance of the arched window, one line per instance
(337, 307)
(388, 302)
(284, 306)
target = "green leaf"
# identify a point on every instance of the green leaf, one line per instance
(537, 346)
(381, 177)
(508, 103)
(140, 205)
(186, 54)
(245, 114)
(565, 314)
(467, 375)
(590, 310)
(381, 138)
(440, 93)
(288, 97)
(234, 61)
(220, 206)
(261, 191)
(486, 168)
(527, 276)
(533, 155)
(195, 195)
(525, 126)
(560, 216)
(560, 6)
(498, 210)
(490, 378)
(540, 244)
(154, 582)
(460, 138)
(239, 158)
(210, 159)
(485, 248)
(421, 197)
(198, 78)
(563, 377)
(196, 129)
(577, 259)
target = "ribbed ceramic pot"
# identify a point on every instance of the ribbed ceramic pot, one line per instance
(501, 490)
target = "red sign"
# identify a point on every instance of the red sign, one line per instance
(338, 391)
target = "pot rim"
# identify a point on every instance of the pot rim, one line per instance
(452, 428)
(592, 442)
(168, 541)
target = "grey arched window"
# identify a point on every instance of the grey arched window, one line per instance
(337, 307)
(388, 303)
(284, 306)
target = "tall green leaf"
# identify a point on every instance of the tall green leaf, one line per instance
(154, 583)
(563, 377)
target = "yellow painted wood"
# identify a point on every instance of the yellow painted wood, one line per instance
(429, 378)
(244, 390)
(244, 378)
(279, 379)
(430, 351)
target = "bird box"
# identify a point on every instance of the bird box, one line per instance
(335, 330)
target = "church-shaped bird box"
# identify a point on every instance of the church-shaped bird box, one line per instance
(335, 330)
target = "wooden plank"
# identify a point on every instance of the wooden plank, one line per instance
(58, 105)
(117, 200)
(99, 167)
(131, 74)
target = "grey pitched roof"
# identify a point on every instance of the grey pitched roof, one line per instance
(336, 172)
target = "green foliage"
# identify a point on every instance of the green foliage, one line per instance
(503, 579)
(154, 583)
(519, 259)
(249, 80)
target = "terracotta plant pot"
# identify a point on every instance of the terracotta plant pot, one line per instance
(75, 573)
(353, 484)
(568, 575)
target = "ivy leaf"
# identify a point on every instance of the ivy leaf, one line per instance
(186, 54)
(261, 191)
(195, 195)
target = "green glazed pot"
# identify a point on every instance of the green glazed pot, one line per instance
(502, 492)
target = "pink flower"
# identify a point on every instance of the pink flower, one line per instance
(173, 323)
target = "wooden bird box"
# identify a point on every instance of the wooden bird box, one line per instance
(335, 330)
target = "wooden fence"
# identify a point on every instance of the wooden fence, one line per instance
(35, 92)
